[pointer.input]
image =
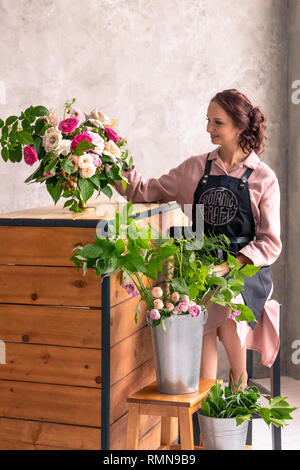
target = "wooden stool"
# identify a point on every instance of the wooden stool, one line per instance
(149, 401)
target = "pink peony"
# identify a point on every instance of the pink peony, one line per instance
(68, 125)
(154, 314)
(234, 314)
(195, 311)
(183, 306)
(79, 138)
(157, 292)
(175, 296)
(111, 134)
(175, 312)
(169, 307)
(158, 304)
(185, 299)
(30, 155)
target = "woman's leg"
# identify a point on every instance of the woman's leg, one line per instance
(237, 354)
(209, 355)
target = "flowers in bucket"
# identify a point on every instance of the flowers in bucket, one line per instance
(75, 156)
(184, 272)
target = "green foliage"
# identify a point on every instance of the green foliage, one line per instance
(243, 404)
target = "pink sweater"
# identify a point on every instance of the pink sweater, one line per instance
(180, 183)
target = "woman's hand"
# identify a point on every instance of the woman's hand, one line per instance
(222, 269)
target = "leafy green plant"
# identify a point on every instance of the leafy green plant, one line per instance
(188, 281)
(243, 404)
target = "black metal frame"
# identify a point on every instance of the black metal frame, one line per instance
(272, 392)
(105, 300)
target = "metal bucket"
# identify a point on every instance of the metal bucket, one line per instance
(177, 353)
(222, 433)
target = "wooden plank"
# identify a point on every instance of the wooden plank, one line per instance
(119, 392)
(122, 322)
(119, 428)
(61, 326)
(130, 354)
(52, 365)
(42, 246)
(54, 403)
(22, 434)
(49, 286)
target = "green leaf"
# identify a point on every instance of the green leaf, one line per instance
(94, 179)
(249, 270)
(15, 154)
(37, 145)
(39, 125)
(10, 120)
(153, 267)
(205, 408)
(92, 251)
(67, 165)
(107, 191)
(54, 190)
(137, 312)
(246, 313)
(4, 153)
(4, 132)
(68, 203)
(86, 188)
(82, 146)
(179, 285)
(124, 184)
(193, 291)
(50, 165)
(1, 123)
(26, 125)
(119, 246)
(24, 138)
(39, 111)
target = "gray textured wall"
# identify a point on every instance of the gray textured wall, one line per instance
(291, 314)
(154, 64)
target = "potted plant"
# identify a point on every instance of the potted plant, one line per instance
(225, 415)
(176, 308)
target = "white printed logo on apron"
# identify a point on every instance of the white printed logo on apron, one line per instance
(220, 205)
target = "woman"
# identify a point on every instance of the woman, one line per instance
(241, 199)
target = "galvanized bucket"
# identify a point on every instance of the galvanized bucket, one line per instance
(222, 433)
(177, 353)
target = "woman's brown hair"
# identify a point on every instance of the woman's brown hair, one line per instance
(245, 116)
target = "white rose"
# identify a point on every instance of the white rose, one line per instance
(52, 139)
(100, 119)
(112, 150)
(65, 147)
(74, 159)
(85, 161)
(98, 141)
(88, 171)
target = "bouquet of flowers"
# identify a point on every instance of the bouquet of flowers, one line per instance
(77, 155)
(189, 281)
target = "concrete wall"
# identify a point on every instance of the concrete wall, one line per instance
(154, 64)
(291, 314)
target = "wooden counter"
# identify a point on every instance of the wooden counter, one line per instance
(73, 350)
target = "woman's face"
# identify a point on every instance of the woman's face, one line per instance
(220, 126)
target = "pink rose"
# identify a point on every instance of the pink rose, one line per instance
(154, 314)
(157, 292)
(169, 307)
(195, 311)
(30, 155)
(175, 296)
(185, 299)
(77, 114)
(183, 306)
(111, 134)
(175, 312)
(158, 304)
(68, 125)
(79, 138)
(96, 160)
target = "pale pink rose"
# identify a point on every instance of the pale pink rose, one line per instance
(87, 172)
(175, 296)
(74, 159)
(52, 117)
(175, 312)
(157, 292)
(77, 114)
(30, 155)
(154, 314)
(68, 125)
(96, 160)
(183, 306)
(185, 299)
(86, 160)
(195, 311)
(98, 141)
(158, 304)
(169, 307)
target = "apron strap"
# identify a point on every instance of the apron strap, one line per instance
(206, 170)
(245, 177)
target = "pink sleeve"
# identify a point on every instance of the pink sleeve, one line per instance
(267, 247)
(162, 189)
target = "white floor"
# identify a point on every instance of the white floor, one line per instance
(262, 439)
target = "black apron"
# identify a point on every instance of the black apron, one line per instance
(227, 210)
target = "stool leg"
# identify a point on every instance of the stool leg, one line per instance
(275, 390)
(166, 431)
(186, 429)
(133, 427)
(196, 429)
